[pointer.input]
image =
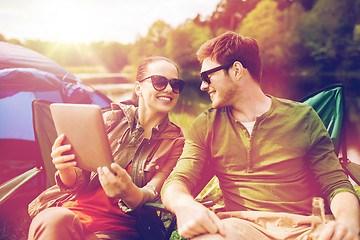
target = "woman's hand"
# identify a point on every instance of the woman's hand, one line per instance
(64, 163)
(115, 186)
(119, 186)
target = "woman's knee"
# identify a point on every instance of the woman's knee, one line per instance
(52, 221)
(54, 216)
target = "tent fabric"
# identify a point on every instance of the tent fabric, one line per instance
(14, 80)
(26, 75)
(13, 110)
(15, 56)
(19, 86)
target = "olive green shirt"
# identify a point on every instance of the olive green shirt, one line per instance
(286, 160)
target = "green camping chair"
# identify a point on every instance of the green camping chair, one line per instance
(155, 223)
(329, 103)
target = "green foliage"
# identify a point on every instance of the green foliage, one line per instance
(114, 56)
(292, 34)
(275, 31)
(2, 38)
(153, 44)
(184, 41)
(327, 33)
(158, 33)
(229, 14)
(175, 236)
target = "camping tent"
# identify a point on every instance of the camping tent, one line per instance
(26, 75)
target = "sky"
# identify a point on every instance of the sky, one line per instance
(94, 20)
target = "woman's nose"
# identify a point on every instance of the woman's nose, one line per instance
(168, 88)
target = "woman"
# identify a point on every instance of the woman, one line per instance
(145, 146)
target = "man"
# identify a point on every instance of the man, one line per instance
(272, 156)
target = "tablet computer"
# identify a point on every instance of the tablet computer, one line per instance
(84, 129)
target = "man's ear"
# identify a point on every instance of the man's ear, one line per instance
(238, 69)
(138, 88)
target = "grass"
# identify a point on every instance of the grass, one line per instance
(14, 220)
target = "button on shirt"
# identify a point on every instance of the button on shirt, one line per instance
(287, 159)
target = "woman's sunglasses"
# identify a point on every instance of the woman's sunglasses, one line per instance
(160, 82)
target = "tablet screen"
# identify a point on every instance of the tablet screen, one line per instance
(84, 129)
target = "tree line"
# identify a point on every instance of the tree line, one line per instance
(294, 36)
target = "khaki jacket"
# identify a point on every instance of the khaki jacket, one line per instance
(151, 160)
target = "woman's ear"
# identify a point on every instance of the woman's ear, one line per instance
(138, 88)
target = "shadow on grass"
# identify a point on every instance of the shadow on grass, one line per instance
(14, 219)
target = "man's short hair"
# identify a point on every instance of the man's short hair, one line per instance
(230, 47)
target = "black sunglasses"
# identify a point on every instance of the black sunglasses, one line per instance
(205, 75)
(160, 82)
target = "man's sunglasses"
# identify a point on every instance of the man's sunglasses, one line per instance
(160, 82)
(205, 75)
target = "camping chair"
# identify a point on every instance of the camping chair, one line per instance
(154, 222)
(329, 103)
(8, 188)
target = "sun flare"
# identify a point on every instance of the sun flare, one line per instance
(74, 29)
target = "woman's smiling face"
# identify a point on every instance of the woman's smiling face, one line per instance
(158, 101)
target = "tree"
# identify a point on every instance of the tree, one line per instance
(114, 56)
(14, 41)
(184, 41)
(154, 43)
(158, 33)
(276, 32)
(230, 13)
(2, 38)
(327, 32)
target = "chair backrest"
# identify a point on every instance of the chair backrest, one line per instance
(45, 135)
(329, 103)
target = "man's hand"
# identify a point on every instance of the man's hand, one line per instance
(194, 219)
(334, 230)
(345, 208)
